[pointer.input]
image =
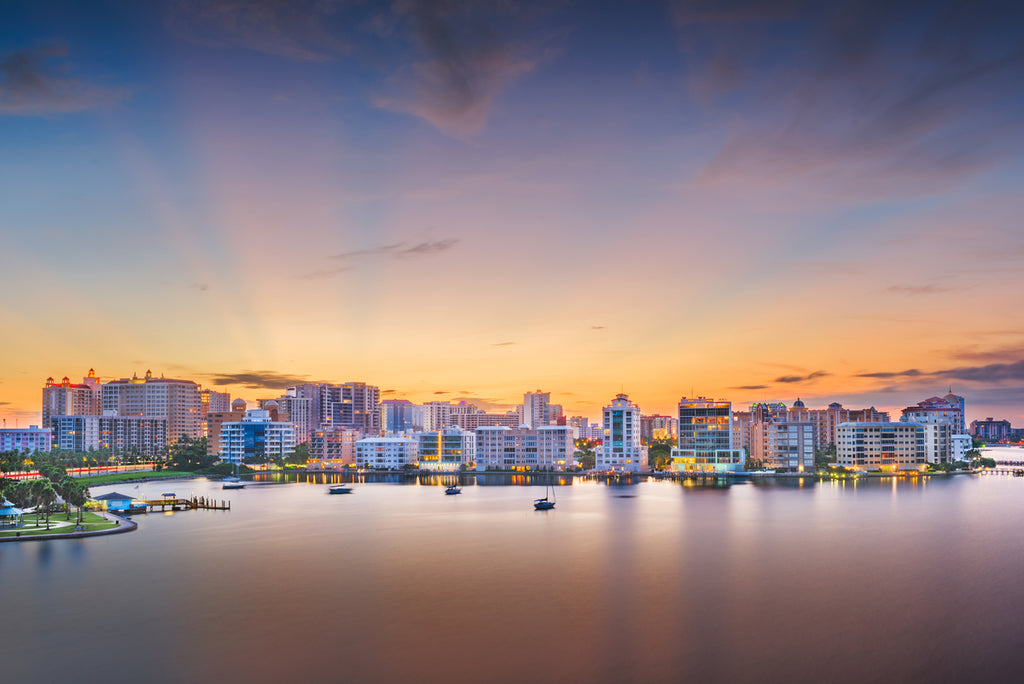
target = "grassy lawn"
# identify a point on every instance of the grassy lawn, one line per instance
(111, 478)
(92, 522)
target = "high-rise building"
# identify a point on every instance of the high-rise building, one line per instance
(705, 438)
(548, 447)
(211, 401)
(214, 423)
(941, 420)
(437, 415)
(885, 446)
(447, 449)
(397, 415)
(536, 409)
(332, 447)
(354, 405)
(256, 439)
(176, 401)
(621, 450)
(783, 444)
(71, 399)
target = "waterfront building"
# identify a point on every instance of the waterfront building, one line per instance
(32, 439)
(332, 447)
(214, 422)
(621, 450)
(705, 443)
(580, 426)
(990, 430)
(447, 449)
(741, 429)
(122, 435)
(783, 444)
(536, 409)
(881, 446)
(941, 420)
(176, 401)
(548, 447)
(256, 439)
(70, 399)
(386, 453)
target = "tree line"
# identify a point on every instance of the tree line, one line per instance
(42, 494)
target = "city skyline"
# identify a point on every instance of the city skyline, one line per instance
(756, 201)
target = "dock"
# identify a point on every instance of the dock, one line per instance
(176, 504)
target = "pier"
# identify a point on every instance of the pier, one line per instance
(170, 502)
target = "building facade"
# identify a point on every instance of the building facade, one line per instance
(121, 435)
(332, 447)
(176, 401)
(881, 446)
(622, 449)
(71, 399)
(256, 439)
(705, 443)
(549, 447)
(447, 449)
(386, 453)
(32, 439)
(990, 430)
(536, 409)
(783, 444)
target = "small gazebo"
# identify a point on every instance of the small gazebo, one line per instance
(10, 515)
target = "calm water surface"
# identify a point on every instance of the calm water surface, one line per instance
(653, 582)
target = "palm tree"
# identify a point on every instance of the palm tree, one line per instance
(47, 495)
(77, 495)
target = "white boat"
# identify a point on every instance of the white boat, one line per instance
(340, 489)
(233, 481)
(453, 489)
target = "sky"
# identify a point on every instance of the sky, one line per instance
(744, 199)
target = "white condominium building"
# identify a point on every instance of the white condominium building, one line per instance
(621, 449)
(386, 453)
(881, 446)
(549, 447)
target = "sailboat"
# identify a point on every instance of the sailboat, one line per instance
(548, 502)
(453, 488)
(233, 481)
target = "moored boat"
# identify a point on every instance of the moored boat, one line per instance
(340, 489)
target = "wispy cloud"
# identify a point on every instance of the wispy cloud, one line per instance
(467, 59)
(750, 387)
(597, 327)
(502, 344)
(993, 372)
(917, 289)
(257, 379)
(346, 261)
(33, 83)
(789, 379)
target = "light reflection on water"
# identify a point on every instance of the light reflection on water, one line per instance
(894, 580)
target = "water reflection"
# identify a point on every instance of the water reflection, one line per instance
(888, 579)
